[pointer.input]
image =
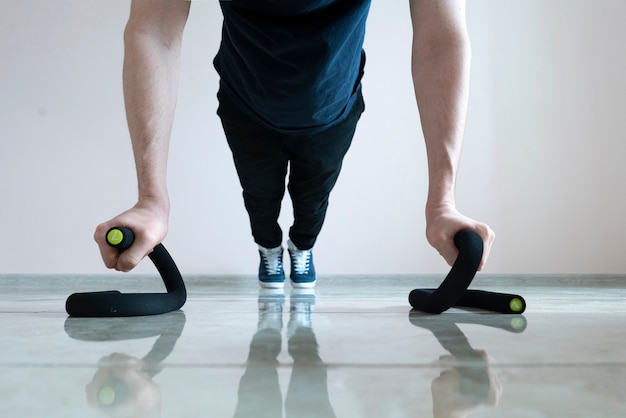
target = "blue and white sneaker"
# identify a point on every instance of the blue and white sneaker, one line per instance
(302, 268)
(271, 273)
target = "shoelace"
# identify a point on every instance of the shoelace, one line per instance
(300, 260)
(273, 264)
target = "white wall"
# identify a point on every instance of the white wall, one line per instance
(542, 161)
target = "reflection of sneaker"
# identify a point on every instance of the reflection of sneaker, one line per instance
(267, 341)
(271, 273)
(302, 303)
(271, 303)
(302, 268)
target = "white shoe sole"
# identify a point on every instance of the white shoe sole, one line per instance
(307, 285)
(271, 285)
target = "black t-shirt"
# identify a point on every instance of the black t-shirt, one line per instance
(294, 65)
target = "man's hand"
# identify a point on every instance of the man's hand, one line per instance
(448, 397)
(148, 220)
(141, 398)
(444, 221)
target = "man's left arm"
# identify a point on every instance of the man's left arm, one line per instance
(440, 67)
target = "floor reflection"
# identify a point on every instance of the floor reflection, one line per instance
(467, 381)
(259, 392)
(123, 385)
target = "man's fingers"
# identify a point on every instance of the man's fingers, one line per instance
(108, 253)
(450, 254)
(121, 260)
(444, 222)
(148, 221)
(448, 250)
(488, 237)
(132, 256)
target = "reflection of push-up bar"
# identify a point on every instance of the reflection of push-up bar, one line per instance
(168, 328)
(453, 290)
(114, 303)
(473, 366)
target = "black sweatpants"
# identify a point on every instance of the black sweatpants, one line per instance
(263, 157)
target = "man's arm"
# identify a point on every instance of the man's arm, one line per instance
(152, 47)
(441, 68)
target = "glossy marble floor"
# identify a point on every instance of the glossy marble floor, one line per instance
(350, 349)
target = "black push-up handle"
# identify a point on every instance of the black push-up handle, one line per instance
(113, 303)
(453, 290)
(505, 303)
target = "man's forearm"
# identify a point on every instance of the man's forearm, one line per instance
(150, 90)
(441, 81)
(441, 58)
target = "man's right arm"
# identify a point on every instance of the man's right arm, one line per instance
(152, 49)
(441, 70)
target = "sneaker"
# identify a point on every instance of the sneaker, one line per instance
(271, 273)
(302, 268)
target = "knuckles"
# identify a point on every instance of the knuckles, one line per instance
(125, 265)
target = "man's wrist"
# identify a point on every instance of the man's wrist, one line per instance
(435, 207)
(156, 202)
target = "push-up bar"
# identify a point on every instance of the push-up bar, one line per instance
(113, 303)
(454, 291)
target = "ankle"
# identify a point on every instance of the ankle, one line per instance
(295, 249)
(271, 251)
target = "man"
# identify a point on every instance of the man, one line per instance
(290, 96)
